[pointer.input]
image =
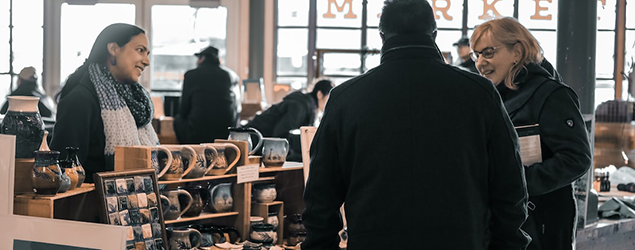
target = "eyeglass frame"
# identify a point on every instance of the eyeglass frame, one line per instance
(476, 54)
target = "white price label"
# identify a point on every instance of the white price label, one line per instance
(247, 173)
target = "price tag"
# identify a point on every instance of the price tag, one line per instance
(247, 173)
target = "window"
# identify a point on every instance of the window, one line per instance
(179, 31)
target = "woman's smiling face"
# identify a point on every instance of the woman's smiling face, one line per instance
(131, 59)
(499, 65)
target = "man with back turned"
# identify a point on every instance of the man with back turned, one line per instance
(421, 153)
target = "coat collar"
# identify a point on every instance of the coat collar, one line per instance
(410, 45)
(529, 79)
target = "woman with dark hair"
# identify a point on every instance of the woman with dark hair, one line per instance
(296, 109)
(102, 105)
(507, 54)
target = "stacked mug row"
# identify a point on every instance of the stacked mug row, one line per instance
(192, 201)
(199, 236)
(175, 162)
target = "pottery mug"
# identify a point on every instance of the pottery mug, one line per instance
(161, 159)
(264, 192)
(227, 156)
(171, 203)
(274, 151)
(244, 134)
(183, 162)
(206, 156)
(183, 238)
(221, 199)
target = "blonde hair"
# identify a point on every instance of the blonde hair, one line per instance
(510, 32)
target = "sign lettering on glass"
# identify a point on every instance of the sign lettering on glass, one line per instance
(340, 8)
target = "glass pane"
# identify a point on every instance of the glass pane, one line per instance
(373, 40)
(337, 80)
(606, 14)
(604, 60)
(538, 14)
(80, 25)
(629, 46)
(347, 64)
(372, 60)
(547, 40)
(293, 13)
(28, 35)
(630, 9)
(5, 83)
(449, 14)
(339, 13)
(179, 31)
(292, 51)
(604, 91)
(445, 39)
(374, 12)
(4, 49)
(338, 39)
(479, 11)
(4, 18)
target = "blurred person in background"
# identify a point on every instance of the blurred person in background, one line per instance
(28, 86)
(464, 61)
(510, 56)
(102, 105)
(209, 101)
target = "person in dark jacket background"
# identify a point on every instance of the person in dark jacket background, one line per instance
(102, 105)
(506, 53)
(209, 101)
(465, 61)
(295, 110)
(28, 86)
(421, 153)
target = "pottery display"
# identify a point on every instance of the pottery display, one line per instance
(205, 157)
(272, 218)
(183, 162)
(221, 199)
(244, 134)
(72, 157)
(295, 229)
(264, 192)
(46, 175)
(263, 233)
(24, 121)
(200, 199)
(175, 203)
(227, 156)
(183, 238)
(66, 181)
(274, 151)
(209, 234)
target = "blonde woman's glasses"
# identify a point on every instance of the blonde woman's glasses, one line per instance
(487, 53)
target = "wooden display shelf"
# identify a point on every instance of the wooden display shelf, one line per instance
(77, 204)
(204, 178)
(204, 215)
(263, 210)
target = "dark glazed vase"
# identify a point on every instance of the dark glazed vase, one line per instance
(72, 157)
(24, 121)
(46, 175)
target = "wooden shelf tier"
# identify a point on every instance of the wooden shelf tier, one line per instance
(204, 215)
(204, 178)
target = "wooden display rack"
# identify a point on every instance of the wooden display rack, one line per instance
(78, 204)
(263, 210)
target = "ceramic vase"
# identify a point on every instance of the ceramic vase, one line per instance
(71, 156)
(67, 168)
(264, 192)
(24, 121)
(46, 175)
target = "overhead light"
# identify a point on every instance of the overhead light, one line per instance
(204, 3)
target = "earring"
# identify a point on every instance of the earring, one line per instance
(114, 61)
(515, 62)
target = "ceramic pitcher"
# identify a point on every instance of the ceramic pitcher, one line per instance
(24, 121)
(183, 161)
(227, 156)
(174, 209)
(184, 238)
(274, 151)
(244, 134)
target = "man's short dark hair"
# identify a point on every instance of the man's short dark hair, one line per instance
(407, 17)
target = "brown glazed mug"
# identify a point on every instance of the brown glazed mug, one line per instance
(228, 156)
(183, 162)
(206, 156)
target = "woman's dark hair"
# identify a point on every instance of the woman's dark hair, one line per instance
(120, 33)
(407, 17)
(322, 86)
